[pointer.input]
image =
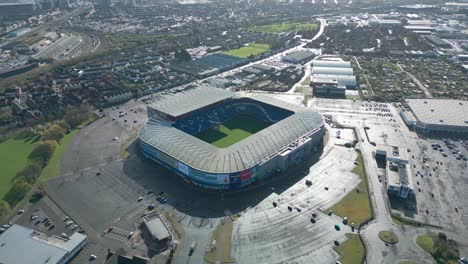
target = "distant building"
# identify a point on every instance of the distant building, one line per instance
(348, 81)
(298, 56)
(17, 8)
(438, 41)
(384, 22)
(119, 98)
(23, 245)
(436, 115)
(331, 64)
(332, 71)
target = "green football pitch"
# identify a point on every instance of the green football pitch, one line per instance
(232, 131)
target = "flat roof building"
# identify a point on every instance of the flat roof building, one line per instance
(298, 56)
(332, 71)
(156, 227)
(436, 115)
(23, 245)
(331, 64)
(399, 181)
(348, 81)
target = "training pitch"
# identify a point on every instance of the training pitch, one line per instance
(232, 131)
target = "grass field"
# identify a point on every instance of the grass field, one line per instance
(388, 237)
(285, 27)
(52, 169)
(252, 49)
(13, 157)
(426, 243)
(351, 251)
(356, 205)
(232, 131)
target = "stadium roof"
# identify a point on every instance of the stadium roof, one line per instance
(40, 249)
(187, 101)
(239, 156)
(440, 111)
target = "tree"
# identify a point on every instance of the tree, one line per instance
(76, 115)
(5, 209)
(43, 152)
(54, 132)
(30, 172)
(17, 192)
(182, 55)
(5, 114)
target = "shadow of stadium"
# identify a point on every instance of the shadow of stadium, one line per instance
(198, 202)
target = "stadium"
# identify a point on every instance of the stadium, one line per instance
(221, 140)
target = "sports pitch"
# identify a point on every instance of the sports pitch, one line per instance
(252, 49)
(232, 131)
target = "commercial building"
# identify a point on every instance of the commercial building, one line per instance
(17, 8)
(332, 71)
(347, 81)
(169, 137)
(331, 64)
(399, 181)
(384, 22)
(23, 245)
(298, 56)
(156, 228)
(436, 115)
(438, 41)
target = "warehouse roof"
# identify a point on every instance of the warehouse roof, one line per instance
(40, 248)
(156, 226)
(332, 71)
(334, 64)
(237, 157)
(440, 111)
(187, 101)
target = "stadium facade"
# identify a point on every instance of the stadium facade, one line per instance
(174, 120)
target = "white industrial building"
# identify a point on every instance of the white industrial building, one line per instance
(436, 115)
(331, 64)
(23, 245)
(332, 71)
(331, 77)
(348, 81)
(399, 180)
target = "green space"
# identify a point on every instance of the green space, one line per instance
(253, 49)
(232, 131)
(388, 237)
(13, 157)
(52, 169)
(285, 27)
(407, 262)
(425, 242)
(441, 248)
(351, 251)
(356, 205)
(399, 220)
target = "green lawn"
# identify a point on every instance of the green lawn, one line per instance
(252, 49)
(52, 169)
(388, 236)
(356, 205)
(426, 243)
(13, 157)
(285, 27)
(232, 131)
(351, 251)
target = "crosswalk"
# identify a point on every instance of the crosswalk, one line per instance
(118, 234)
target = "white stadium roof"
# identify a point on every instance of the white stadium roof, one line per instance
(240, 156)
